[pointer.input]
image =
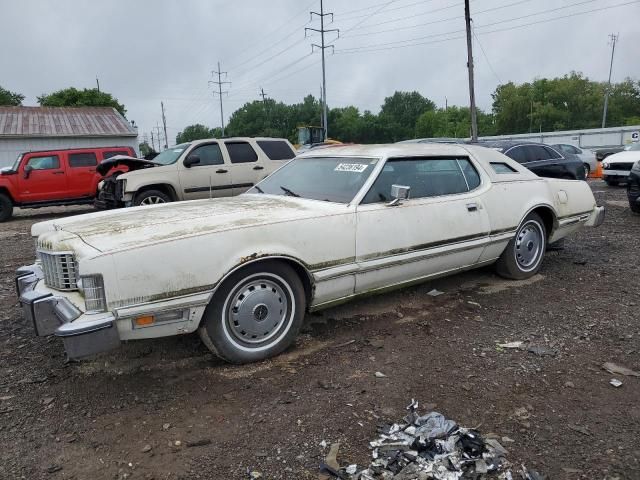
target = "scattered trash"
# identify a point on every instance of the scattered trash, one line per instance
(379, 375)
(475, 304)
(541, 351)
(619, 369)
(517, 344)
(323, 444)
(47, 400)
(147, 448)
(344, 344)
(331, 467)
(54, 468)
(435, 293)
(254, 475)
(166, 426)
(615, 382)
(433, 447)
(579, 429)
(569, 385)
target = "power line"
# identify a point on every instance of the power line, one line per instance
(485, 55)
(220, 82)
(367, 17)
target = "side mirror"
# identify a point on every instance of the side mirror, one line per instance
(399, 193)
(27, 171)
(191, 160)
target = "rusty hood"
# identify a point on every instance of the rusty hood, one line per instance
(137, 226)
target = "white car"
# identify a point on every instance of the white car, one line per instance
(328, 226)
(616, 167)
(587, 156)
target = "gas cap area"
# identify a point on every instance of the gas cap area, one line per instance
(563, 197)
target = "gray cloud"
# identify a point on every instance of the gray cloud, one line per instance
(148, 51)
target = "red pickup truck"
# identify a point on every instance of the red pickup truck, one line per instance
(53, 177)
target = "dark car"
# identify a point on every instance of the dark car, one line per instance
(633, 188)
(541, 159)
(602, 153)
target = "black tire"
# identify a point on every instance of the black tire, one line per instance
(151, 197)
(635, 208)
(587, 171)
(6, 208)
(612, 183)
(518, 262)
(255, 314)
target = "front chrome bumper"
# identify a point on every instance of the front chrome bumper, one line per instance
(83, 334)
(597, 217)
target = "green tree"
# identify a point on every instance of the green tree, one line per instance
(400, 112)
(10, 99)
(88, 97)
(195, 132)
(145, 149)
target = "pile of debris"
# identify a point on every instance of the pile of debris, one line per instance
(432, 447)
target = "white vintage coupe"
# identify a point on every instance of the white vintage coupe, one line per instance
(328, 226)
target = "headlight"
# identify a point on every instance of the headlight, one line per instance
(92, 287)
(636, 166)
(605, 165)
(121, 187)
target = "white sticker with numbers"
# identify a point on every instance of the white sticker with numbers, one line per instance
(351, 167)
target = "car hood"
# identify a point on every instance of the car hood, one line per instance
(623, 157)
(131, 163)
(138, 226)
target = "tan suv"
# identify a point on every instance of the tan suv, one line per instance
(198, 169)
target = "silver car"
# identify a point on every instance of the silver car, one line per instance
(587, 156)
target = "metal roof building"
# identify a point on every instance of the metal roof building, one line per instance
(24, 129)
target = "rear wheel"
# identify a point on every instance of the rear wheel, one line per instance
(151, 197)
(6, 208)
(523, 256)
(255, 314)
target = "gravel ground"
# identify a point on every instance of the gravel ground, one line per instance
(167, 409)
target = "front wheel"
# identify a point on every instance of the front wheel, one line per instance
(6, 208)
(255, 314)
(151, 197)
(523, 256)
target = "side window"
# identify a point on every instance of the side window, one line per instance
(551, 153)
(518, 154)
(470, 173)
(538, 152)
(209, 154)
(276, 149)
(241, 152)
(106, 155)
(85, 159)
(48, 162)
(500, 167)
(426, 177)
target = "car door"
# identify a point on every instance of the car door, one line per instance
(247, 168)
(209, 177)
(538, 161)
(42, 178)
(81, 173)
(443, 226)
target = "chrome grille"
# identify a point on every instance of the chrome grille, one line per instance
(60, 270)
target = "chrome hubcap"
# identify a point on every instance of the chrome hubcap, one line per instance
(529, 243)
(153, 200)
(257, 310)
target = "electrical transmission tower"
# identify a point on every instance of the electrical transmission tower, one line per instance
(613, 39)
(219, 83)
(322, 48)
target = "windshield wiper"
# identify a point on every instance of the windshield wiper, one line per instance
(289, 192)
(258, 188)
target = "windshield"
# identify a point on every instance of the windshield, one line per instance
(16, 164)
(170, 155)
(633, 147)
(332, 179)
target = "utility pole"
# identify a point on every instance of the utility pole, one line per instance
(98, 83)
(263, 95)
(614, 39)
(153, 143)
(157, 129)
(164, 124)
(472, 95)
(219, 73)
(323, 47)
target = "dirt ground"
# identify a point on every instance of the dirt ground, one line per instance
(167, 409)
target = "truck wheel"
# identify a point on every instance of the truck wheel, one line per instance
(523, 256)
(6, 208)
(151, 197)
(255, 314)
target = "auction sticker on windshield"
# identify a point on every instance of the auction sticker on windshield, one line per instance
(351, 167)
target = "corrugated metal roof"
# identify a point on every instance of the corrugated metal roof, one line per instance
(63, 122)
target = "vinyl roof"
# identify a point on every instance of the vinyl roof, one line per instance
(64, 122)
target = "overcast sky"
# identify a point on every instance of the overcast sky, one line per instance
(149, 51)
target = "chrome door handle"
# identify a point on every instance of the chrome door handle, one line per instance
(472, 207)
(258, 167)
(58, 173)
